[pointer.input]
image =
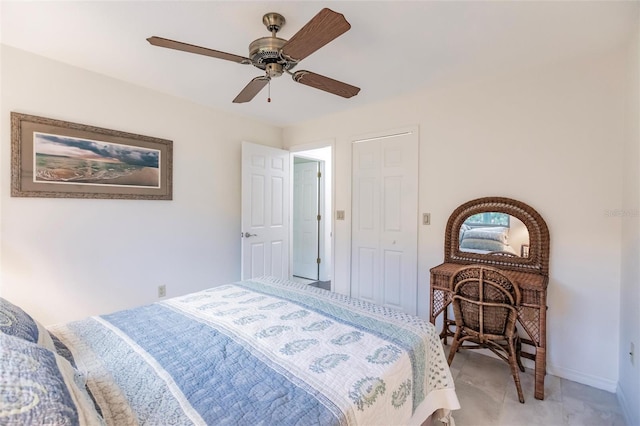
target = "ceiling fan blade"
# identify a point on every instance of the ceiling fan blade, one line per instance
(191, 48)
(251, 89)
(326, 26)
(327, 84)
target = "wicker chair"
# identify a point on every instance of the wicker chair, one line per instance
(485, 304)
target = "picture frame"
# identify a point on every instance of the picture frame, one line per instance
(60, 159)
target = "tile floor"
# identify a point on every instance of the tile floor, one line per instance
(488, 396)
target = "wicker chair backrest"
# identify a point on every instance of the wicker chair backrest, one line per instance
(485, 301)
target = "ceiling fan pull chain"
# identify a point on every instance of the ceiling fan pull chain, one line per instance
(269, 96)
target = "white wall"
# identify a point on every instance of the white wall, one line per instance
(518, 234)
(629, 375)
(64, 259)
(563, 126)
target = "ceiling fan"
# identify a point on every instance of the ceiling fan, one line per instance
(276, 56)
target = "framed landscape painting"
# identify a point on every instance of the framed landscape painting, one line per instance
(53, 158)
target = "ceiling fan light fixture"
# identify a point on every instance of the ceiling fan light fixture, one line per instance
(274, 70)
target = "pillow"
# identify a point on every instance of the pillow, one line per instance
(498, 233)
(16, 322)
(41, 387)
(463, 229)
(478, 244)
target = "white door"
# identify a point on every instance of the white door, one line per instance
(385, 221)
(265, 211)
(306, 210)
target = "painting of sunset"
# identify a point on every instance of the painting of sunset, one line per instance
(70, 160)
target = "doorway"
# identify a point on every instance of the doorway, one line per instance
(311, 233)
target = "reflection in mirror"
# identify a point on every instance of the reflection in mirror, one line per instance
(524, 231)
(494, 233)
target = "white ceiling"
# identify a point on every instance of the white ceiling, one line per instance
(393, 46)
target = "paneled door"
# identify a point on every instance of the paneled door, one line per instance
(306, 219)
(384, 240)
(265, 211)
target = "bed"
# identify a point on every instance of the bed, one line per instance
(257, 352)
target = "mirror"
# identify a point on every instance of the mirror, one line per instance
(494, 233)
(498, 231)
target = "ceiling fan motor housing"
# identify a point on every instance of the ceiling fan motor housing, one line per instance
(266, 50)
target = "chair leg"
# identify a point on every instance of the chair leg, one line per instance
(454, 347)
(514, 369)
(518, 351)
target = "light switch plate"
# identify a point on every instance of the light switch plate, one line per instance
(426, 218)
(339, 214)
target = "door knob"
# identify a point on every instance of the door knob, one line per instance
(247, 235)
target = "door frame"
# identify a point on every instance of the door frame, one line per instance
(327, 272)
(319, 195)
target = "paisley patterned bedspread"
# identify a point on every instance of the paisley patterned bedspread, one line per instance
(262, 352)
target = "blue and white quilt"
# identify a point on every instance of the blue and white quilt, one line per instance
(262, 352)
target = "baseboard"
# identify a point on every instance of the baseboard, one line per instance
(567, 373)
(625, 406)
(585, 379)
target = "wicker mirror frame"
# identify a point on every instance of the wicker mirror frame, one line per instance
(538, 259)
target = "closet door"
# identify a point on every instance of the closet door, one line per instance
(384, 241)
